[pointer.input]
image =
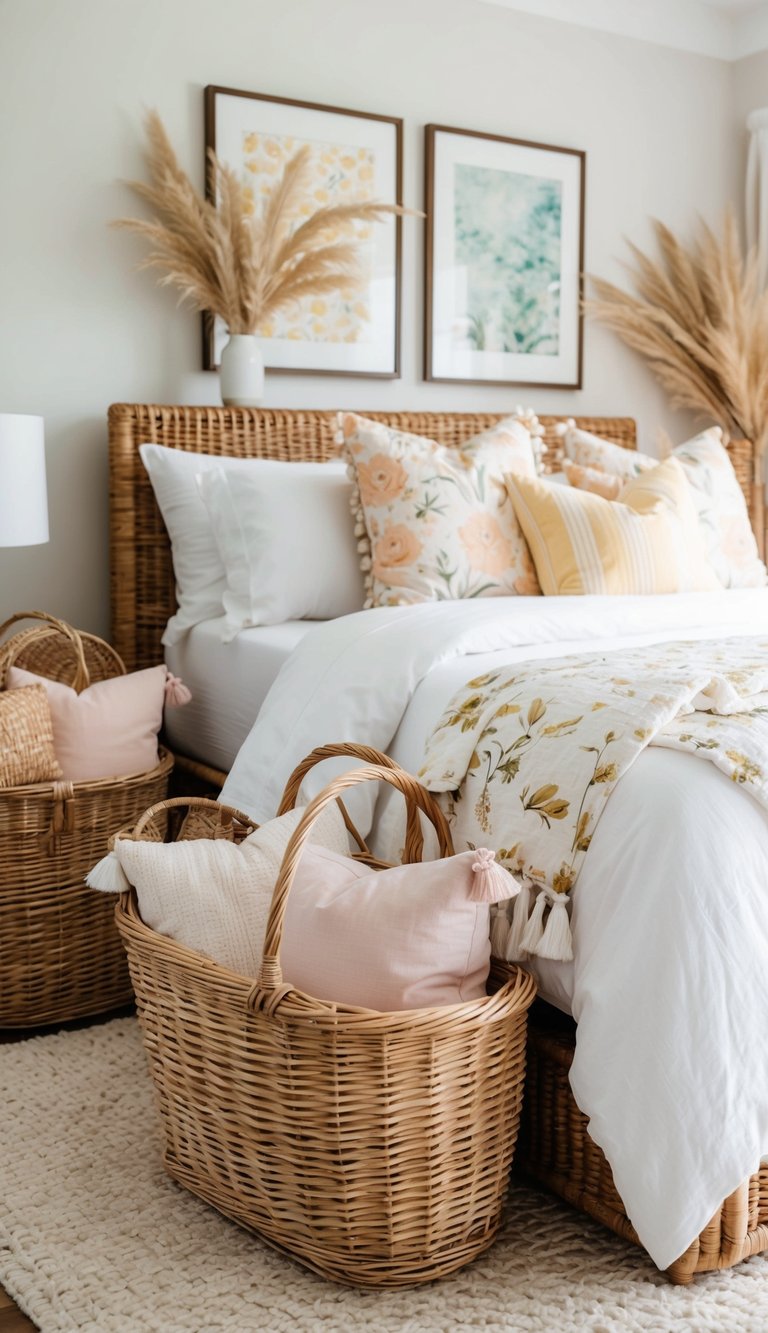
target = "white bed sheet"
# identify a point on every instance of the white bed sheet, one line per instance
(669, 917)
(229, 682)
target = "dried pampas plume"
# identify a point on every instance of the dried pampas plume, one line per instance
(241, 267)
(700, 319)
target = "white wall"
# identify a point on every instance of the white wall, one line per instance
(81, 329)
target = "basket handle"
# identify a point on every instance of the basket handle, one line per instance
(228, 815)
(82, 677)
(351, 750)
(270, 975)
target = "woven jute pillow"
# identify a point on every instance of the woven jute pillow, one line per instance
(26, 738)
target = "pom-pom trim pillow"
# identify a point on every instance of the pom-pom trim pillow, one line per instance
(648, 542)
(433, 522)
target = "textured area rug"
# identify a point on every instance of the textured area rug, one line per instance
(94, 1236)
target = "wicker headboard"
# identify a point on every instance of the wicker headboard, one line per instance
(142, 586)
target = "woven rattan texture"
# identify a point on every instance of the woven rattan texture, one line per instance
(556, 1149)
(60, 953)
(26, 738)
(142, 587)
(373, 1147)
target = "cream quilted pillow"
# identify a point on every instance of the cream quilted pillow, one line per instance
(435, 523)
(214, 896)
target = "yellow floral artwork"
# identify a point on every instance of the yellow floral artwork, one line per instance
(341, 172)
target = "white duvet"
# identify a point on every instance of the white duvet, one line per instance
(670, 923)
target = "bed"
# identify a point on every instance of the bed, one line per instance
(557, 1148)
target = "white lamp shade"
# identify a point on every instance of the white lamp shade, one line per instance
(23, 494)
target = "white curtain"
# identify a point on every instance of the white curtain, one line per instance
(757, 187)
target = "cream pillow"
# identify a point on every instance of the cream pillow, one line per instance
(213, 895)
(435, 522)
(649, 542)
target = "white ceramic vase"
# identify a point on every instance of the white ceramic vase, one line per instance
(242, 371)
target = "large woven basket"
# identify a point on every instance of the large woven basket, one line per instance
(373, 1147)
(60, 953)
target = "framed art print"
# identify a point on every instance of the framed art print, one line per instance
(354, 156)
(505, 252)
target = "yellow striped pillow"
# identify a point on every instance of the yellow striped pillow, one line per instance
(648, 542)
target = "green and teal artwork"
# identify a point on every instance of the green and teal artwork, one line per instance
(504, 260)
(508, 241)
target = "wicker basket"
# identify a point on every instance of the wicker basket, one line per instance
(555, 1148)
(60, 954)
(373, 1147)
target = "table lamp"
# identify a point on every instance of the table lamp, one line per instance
(23, 494)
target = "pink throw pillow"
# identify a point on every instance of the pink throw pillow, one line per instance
(406, 938)
(108, 731)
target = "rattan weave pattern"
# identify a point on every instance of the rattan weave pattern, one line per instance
(60, 954)
(26, 738)
(374, 1147)
(555, 1148)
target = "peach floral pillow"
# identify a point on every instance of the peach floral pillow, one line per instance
(591, 451)
(434, 522)
(592, 479)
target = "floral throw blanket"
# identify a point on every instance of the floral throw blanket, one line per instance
(528, 756)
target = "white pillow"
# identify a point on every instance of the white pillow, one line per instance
(286, 538)
(214, 896)
(197, 564)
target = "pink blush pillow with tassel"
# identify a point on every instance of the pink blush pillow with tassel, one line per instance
(110, 729)
(411, 937)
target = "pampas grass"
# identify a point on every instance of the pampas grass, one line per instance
(239, 266)
(700, 319)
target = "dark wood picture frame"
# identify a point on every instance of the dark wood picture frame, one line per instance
(431, 131)
(212, 91)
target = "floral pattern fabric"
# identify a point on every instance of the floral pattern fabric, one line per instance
(527, 758)
(433, 522)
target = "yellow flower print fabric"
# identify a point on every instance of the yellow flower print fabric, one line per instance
(434, 522)
(526, 758)
(339, 173)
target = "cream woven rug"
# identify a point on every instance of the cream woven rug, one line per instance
(94, 1236)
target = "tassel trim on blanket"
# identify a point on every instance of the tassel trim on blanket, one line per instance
(528, 933)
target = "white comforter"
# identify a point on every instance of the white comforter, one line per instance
(671, 1063)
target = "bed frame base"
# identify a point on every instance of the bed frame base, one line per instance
(555, 1149)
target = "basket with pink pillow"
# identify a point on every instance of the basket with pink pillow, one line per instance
(79, 758)
(338, 1067)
